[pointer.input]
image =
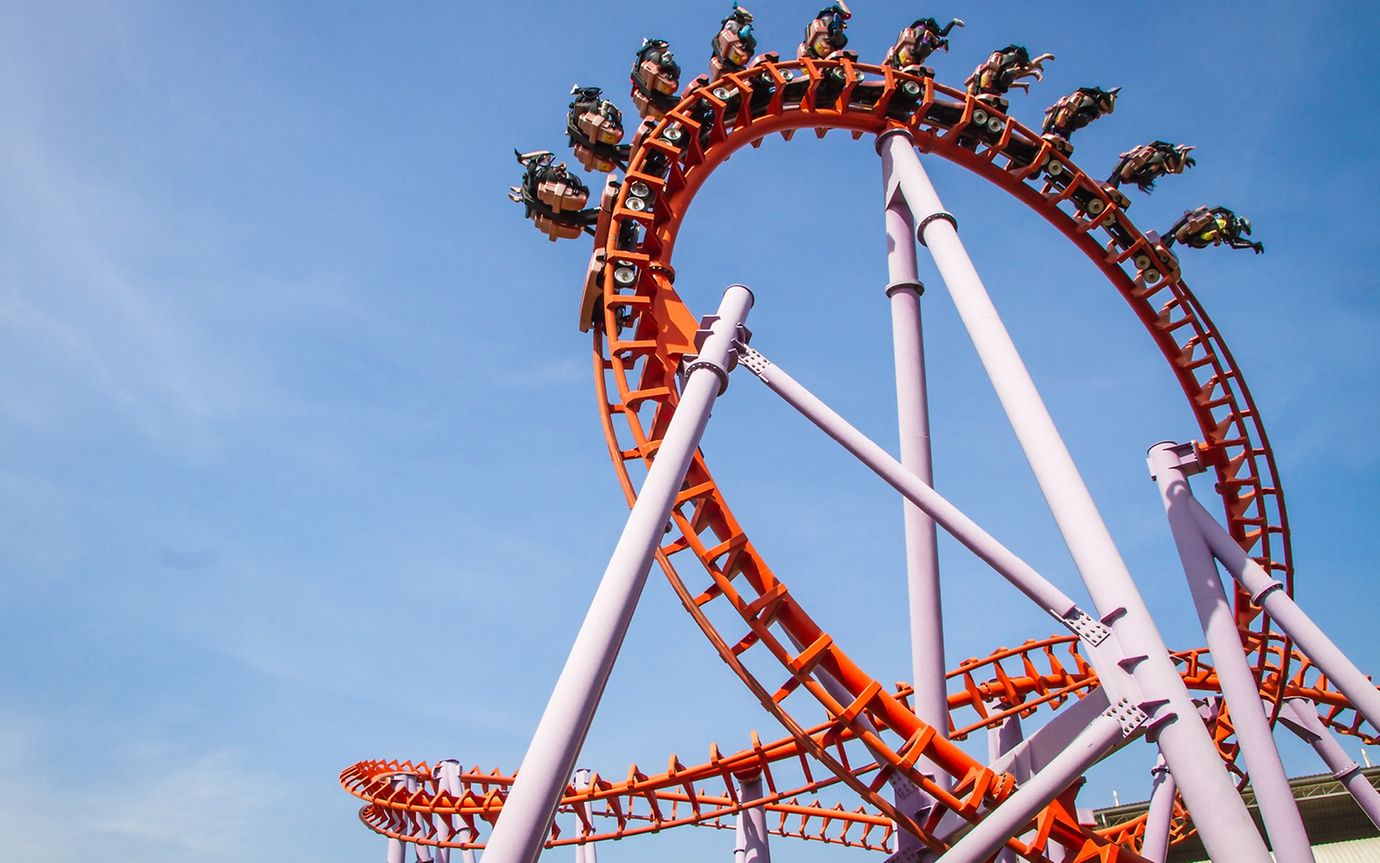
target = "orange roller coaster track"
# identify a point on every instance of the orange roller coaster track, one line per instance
(1038, 674)
(870, 739)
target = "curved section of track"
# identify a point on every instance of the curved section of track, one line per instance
(644, 330)
(1043, 673)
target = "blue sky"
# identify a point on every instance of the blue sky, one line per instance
(301, 461)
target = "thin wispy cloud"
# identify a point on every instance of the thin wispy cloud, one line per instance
(299, 461)
(85, 317)
(151, 801)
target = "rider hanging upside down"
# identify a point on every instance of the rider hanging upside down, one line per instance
(1213, 226)
(824, 36)
(734, 44)
(595, 128)
(1145, 164)
(553, 197)
(916, 43)
(1075, 111)
(655, 78)
(1003, 70)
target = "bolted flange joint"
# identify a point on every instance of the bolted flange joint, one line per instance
(1086, 627)
(942, 215)
(896, 130)
(1184, 456)
(718, 337)
(1128, 715)
(917, 286)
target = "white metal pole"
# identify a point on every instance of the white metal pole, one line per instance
(1160, 816)
(1004, 737)
(1001, 739)
(1270, 783)
(1039, 589)
(585, 852)
(447, 773)
(928, 668)
(397, 849)
(1015, 812)
(1104, 653)
(1300, 716)
(750, 832)
(1269, 594)
(1227, 830)
(523, 825)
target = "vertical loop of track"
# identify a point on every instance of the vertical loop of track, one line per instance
(643, 330)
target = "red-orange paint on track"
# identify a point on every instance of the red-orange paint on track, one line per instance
(642, 329)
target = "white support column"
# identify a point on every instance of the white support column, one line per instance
(750, 833)
(1269, 594)
(524, 824)
(1160, 816)
(447, 773)
(1001, 739)
(1170, 464)
(1227, 830)
(397, 849)
(1015, 813)
(586, 852)
(1301, 717)
(904, 289)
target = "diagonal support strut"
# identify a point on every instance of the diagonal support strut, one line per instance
(531, 804)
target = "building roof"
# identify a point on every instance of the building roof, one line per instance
(1333, 820)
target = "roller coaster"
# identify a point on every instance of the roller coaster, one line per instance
(864, 764)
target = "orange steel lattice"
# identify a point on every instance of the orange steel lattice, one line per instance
(984, 693)
(872, 737)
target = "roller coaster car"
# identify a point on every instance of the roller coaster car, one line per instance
(594, 274)
(1145, 164)
(1093, 204)
(1121, 198)
(1060, 143)
(1002, 70)
(1213, 226)
(732, 47)
(725, 92)
(595, 128)
(655, 78)
(554, 198)
(1075, 111)
(768, 57)
(824, 36)
(1022, 153)
(985, 124)
(831, 85)
(904, 100)
(916, 43)
(1157, 262)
